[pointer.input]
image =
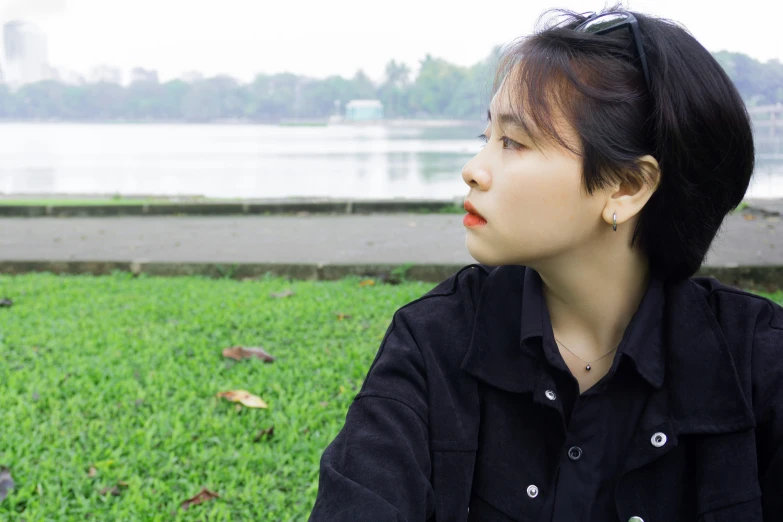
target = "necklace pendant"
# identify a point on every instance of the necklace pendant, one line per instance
(587, 367)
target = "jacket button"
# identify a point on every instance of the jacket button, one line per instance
(635, 519)
(532, 491)
(550, 395)
(658, 440)
(575, 453)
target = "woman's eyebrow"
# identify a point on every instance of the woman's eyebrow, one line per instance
(512, 121)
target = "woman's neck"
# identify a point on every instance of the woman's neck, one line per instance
(591, 303)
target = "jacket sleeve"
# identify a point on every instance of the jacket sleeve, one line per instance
(767, 370)
(378, 466)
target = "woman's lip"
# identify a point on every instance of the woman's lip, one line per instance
(473, 220)
(472, 210)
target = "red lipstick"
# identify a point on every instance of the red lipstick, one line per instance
(473, 218)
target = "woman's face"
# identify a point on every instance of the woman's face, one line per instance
(531, 198)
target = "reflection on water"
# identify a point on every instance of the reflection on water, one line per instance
(253, 161)
(27, 180)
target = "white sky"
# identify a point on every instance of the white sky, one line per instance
(319, 38)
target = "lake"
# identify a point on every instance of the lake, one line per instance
(253, 161)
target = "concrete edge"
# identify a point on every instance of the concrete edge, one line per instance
(224, 209)
(306, 271)
(766, 278)
(283, 207)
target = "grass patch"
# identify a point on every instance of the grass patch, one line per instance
(445, 209)
(742, 206)
(120, 374)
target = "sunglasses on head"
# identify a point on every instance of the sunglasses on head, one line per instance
(608, 22)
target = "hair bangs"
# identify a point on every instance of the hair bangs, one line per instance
(542, 96)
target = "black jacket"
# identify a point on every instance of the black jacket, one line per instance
(408, 446)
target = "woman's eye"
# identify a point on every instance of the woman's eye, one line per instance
(507, 142)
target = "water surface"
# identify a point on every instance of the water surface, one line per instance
(252, 161)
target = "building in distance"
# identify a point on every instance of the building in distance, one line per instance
(363, 110)
(26, 54)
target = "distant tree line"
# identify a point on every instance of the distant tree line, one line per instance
(440, 90)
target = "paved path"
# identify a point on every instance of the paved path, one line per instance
(354, 239)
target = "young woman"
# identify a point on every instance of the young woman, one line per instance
(581, 372)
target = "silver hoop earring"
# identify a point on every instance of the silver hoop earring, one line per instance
(614, 221)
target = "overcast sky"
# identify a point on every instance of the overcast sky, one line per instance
(321, 38)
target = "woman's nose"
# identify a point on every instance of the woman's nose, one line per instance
(476, 175)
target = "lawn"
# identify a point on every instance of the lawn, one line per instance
(120, 375)
(110, 413)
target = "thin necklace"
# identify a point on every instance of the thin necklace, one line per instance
(586, 362)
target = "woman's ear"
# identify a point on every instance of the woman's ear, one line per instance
(652, 170)
(629, 200)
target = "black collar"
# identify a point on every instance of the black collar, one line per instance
(694, 369)
(642, 341)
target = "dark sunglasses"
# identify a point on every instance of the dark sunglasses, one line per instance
(608, 22)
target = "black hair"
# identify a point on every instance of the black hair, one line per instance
(692, 120)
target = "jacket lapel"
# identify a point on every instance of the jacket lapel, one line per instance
(495, 354)
(701, 393)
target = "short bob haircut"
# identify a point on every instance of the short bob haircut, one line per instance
(692, 121)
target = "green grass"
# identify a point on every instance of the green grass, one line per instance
(742, 206)
(120, 373)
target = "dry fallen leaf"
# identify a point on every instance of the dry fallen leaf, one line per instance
(245, 397)
(367, 282)
(749, 217)
(6, 483)
(92, 472)
(341, 316)
(268, 432)
(284, 293)
(203, 496)
(240, 352)
(114, 490)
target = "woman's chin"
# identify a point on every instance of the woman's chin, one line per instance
(482, 253)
